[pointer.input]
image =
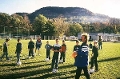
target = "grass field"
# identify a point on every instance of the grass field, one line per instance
(108, 60)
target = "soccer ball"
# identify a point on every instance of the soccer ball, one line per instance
(91, 71)
(47, 59)
(74, 54)
(19, 63)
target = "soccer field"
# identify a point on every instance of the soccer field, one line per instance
(108, 62)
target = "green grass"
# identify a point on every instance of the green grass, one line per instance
(108, 60)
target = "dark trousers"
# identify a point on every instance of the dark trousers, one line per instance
(94, 62)
(5, 54)
(79, 70)
(31, 53)
(62, 56)
(48, 54)
(100, 46)
(55, 60)
(18, 57)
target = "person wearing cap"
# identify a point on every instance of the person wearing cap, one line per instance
(94, 57)
(63, 50)
(5, 49)
(81, 59)
(38, 45)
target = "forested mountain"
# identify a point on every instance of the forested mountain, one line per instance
(58, 21)
(73, 14)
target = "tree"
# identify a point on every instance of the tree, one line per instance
(39, 24)
(5, 20)
(21, 23)
(49, 29)
(74, 29)
(61, 26)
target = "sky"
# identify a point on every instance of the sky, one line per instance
(107, 7)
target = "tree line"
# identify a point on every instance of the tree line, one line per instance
(41, 25)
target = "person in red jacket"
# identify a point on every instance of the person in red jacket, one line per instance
(63, 50)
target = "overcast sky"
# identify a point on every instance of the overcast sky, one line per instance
(107, 7)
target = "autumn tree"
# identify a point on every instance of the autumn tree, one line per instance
(61, 26)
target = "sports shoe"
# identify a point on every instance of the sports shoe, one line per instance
(61, 61)
(47, 59)
(54, 70)
(91, 71)
(29, 57)
(19, 63)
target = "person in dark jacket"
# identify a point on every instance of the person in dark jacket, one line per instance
(100, 42)
(90, 45)
(38, 45)
(94, 57)
(31, 48)
(56, 48)
(81, 60)
(76, 47)
(5, 49)
(48, 48)
(18, 50)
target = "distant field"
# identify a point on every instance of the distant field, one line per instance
(108, 60)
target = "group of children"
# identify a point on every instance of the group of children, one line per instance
(18, 50)
(81, 53)
(31, 45)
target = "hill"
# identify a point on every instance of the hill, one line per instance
(73, 14)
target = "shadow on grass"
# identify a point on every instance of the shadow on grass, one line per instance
(29, 67)
(33, 62)
(110, 59)
(118, 78)
(35, 72)
(54, 74)
(13, 64)
(66, 66)
(24, 74)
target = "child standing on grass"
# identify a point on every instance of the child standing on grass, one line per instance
(81, 60)
(18, 51)
(56, 49)
(38, 45)
(94, 57)
(90, 45)
(63, 50)
(48, 47)
(31, 48)
(76, 47)
(5, 50)
(100, 42)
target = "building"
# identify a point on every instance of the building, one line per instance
(104, 36)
